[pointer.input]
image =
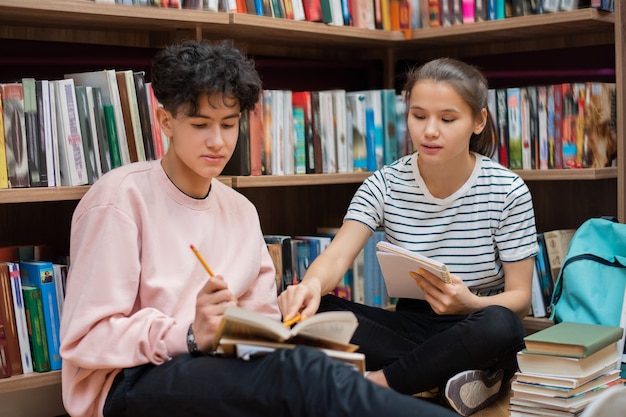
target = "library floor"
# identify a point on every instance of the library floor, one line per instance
(498, 409)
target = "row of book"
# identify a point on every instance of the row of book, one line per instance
(563, 368)
(32, 294)
(568, 125)
(73, 130)
(553, 246)
(329, 131)
(363, 283)
(404, 15)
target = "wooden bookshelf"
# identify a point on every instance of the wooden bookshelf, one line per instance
(296, 204)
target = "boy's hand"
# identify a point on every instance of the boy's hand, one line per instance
(211, 302)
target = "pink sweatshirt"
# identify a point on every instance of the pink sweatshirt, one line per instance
(133, 278)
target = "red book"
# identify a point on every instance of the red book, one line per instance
(312, 10)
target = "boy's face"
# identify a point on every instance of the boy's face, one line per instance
(200, 145)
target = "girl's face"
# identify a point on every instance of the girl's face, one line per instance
(441, 122)
(200, 145)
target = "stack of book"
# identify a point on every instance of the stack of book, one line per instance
(563, 368)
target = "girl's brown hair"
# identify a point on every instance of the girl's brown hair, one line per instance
(470, 84)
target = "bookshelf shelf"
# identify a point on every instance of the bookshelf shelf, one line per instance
(29, 381)
(296, 204)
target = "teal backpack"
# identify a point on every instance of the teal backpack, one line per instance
(590, 286)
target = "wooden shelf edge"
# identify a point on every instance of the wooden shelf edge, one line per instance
(299, 180)
(34, 195)
(567, 174)
(29, 381)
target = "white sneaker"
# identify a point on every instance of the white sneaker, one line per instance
(470, 391)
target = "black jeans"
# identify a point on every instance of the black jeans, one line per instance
(301, 382)
(419, 350)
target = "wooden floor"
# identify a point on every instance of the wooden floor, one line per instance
(498, 409)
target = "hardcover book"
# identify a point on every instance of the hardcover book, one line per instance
(566, 366)
(4, 178)
(15, 134)
(36, 328)
(40, 274)
(21, 324)
(7, 317)
(557, 244)
(560, 381)
(400, 267)
(88, 135)
(577, 340)
(36, 166)
(106, 80)
(329, 330)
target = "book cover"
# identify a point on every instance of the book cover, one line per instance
(287, 133)
(600, 144)
(327, 132)
(106, 80)
(20, 318)
(15, 135)
(40, 274)
(99, 119)
(357, 129)
(267, 133)
(36, 328)
(526, 126)
(301, 101)
(557, 244)
(399, 267)
(143, 114)
(330, 330)
(87, 134)
(248, 349)
(134, 139)
(542, 126)
(390, 139)
(343, 143)
(537, 305)
(514, 121)
(4, 177)
(5, 366)
(611, 377)
(558, 126)
(46, 136)
(287, 267)
(562, 382)
(312, 10)
(7, 317)
(503, 126)
(569, 111)
(299, 140)
(36, 166)
(566, 366)
(544, 273)
(72, 164)
(316, 132)
(577, 340)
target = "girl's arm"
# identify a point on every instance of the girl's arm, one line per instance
(325, 272)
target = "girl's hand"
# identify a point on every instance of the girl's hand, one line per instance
(211, 302)
(446, 298)
(303, 298)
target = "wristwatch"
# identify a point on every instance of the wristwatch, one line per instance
(192, 347)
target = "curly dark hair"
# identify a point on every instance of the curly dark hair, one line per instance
(470, 84)
(182, 72)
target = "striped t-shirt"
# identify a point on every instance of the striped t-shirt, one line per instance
(489, 220)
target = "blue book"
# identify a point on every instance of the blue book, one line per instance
(40, 274)
(390, 140)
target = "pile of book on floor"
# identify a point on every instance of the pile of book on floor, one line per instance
(564, 367)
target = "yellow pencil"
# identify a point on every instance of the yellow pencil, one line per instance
(202, 261)
(297, 318)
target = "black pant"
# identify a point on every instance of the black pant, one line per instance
(419, 350)
(300, 383)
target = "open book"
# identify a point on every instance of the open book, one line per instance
(328, 330)
(400, 265)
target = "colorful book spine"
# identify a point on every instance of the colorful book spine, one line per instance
(40, 274)
(514, 110)
(20, 318)
(36, 328)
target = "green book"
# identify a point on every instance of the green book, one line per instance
(114, 147)
(36, 328)
(576, 340)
